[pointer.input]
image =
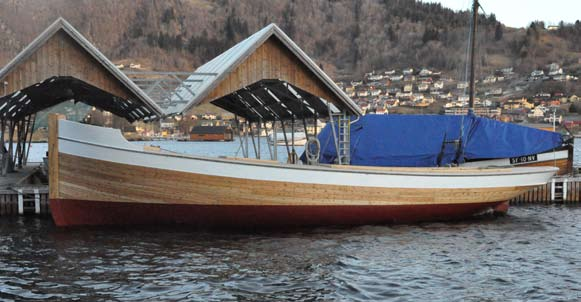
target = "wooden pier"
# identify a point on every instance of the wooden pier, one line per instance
(559, 190)
(24, 201)
(24, 192)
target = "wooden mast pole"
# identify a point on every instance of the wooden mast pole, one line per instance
(472, 54)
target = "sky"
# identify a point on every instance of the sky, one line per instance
(520, 13)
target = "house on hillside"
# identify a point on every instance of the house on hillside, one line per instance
(363, 93)
(403, 95)
(537, 112)
(381, 110)
(364, 108)
(389, 103)
(489, 80)
(375, 92)
(462, 85)
(375, 77)
(417, 97)
(429, 99)
(438, 85)
(507, 71)
(554, 69)
(396, 78)
(517, 104)
(537, 75)
(494, 92)
(425, 72)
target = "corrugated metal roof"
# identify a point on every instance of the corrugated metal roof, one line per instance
(61, 23)
(209, 75)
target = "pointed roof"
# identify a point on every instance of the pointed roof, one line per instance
(66, 27)
(209, 75)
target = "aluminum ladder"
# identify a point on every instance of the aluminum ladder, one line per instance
(344, 138)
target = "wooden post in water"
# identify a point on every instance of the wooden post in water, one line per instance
(53, 155)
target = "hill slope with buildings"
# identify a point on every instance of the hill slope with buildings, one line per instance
(348, 38)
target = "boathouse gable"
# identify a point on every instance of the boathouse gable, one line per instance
(61, 52)
(267, 54)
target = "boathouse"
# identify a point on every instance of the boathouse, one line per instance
(269, 54)
(268, 78)
(61, 65)
(211, 133)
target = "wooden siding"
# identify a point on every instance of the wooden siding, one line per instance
(60, 55)
(272, 60)
(211, 137)
(563, 164)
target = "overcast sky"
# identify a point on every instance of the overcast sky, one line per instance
(520, 13)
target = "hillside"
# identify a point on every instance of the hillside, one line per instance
(348, 37)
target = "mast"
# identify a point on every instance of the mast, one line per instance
(472, 53)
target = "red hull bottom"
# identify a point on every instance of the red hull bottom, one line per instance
(81, 212)
(501, 208)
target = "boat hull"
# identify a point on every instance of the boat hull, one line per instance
(96, 192)
(68, 212)
(106, 180)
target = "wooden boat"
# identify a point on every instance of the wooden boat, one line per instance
(97, 177)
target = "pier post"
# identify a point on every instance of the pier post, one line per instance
(20, 202)
(36, 202)
(274, 143)
(553, 189)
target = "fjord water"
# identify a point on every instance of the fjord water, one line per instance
(531, 254)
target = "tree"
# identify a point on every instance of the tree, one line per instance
(430, 34)
(498, 32)
(391, 34)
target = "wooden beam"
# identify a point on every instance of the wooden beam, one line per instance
(53, 155)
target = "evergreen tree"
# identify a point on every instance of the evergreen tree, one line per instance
(498, 32)
(391, 34)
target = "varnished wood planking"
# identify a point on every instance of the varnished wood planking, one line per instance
(53, 151)
(272, 60)
(62, 56)
(88, 179)
(562, 164)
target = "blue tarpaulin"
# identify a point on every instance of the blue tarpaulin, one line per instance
(418, 140)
